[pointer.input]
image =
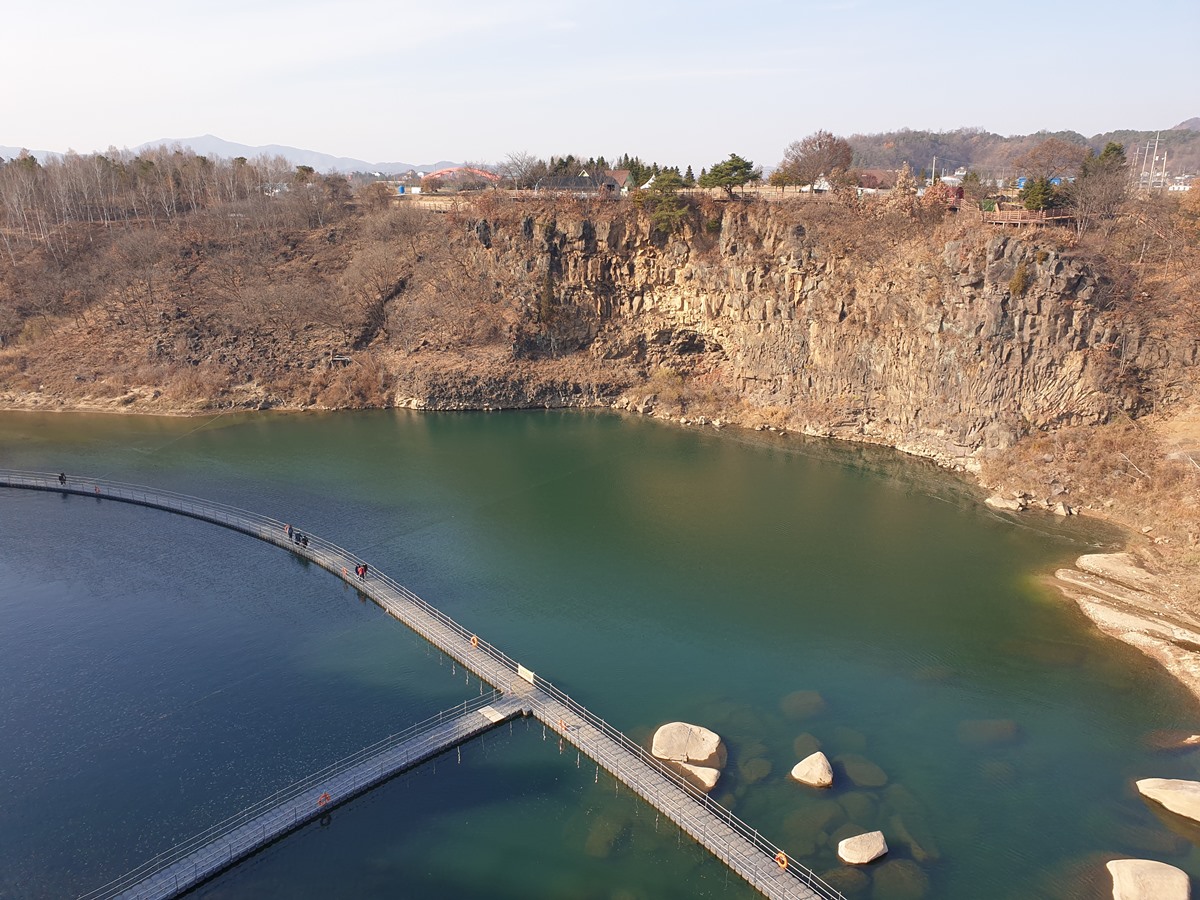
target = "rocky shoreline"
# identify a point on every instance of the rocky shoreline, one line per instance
(1129, 603)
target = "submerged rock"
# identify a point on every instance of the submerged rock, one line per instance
(1150, 839)
(848, 740)
(862, 771)
(602, 837)
(814, 770)
(919, 841)
(849, 881)
(1168, 739)
(805, 745)
(1144, 879)
(860, 807)
(900, 879)
(802, 704)
(861, 849)
(813, 823)
(754, 770)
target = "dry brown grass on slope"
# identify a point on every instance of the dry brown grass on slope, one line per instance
(1125, 472)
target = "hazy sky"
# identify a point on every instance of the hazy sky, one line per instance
(675, 82)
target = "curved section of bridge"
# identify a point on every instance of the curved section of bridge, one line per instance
(712, 825)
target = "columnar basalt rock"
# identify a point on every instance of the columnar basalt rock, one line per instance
(764, 313)
(946, 351)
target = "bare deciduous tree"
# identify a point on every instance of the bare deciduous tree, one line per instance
(1052, 158)
(1100, 187)
(819, 154)
(522, 170)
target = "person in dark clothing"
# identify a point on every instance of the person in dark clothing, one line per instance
(287, 529)
(304, 539)
(62, 478)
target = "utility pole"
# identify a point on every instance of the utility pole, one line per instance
(1154, 162)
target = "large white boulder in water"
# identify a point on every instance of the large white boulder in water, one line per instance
(814, 770)
(701, 777)
(1144, 879)
(1179, 796)
(862, 848)
(692, 744)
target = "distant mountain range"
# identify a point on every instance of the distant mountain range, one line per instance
(969, 147)
(211, 145)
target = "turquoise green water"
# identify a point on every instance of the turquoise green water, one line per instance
(157, 674)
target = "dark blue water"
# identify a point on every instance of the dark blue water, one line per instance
(158, 674)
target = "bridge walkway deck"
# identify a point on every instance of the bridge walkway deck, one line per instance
(714, 826)
(202, 857)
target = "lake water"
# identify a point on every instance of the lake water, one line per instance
(158, 674)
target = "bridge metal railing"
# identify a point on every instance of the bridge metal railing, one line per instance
(470, 647)
(224, 830)
(693, 820)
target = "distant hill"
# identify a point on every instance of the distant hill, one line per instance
(993, 154)
(14, 152)
(210, 145)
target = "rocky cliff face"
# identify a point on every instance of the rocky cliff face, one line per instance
(947, 341)
(945, 349)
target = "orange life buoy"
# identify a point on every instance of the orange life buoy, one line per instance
(781, 859)
(323, 799)
(474, 641)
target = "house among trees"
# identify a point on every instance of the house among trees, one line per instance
(621, 177)
(584, 184)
